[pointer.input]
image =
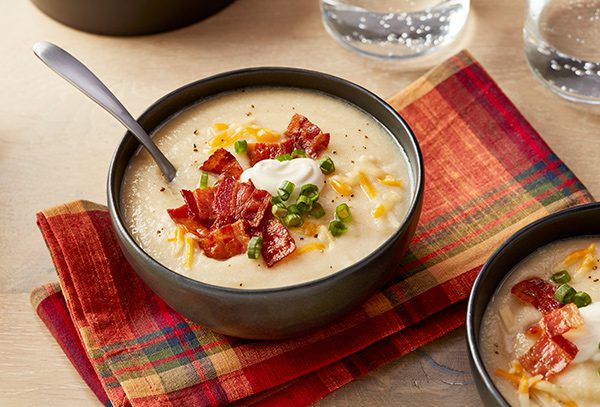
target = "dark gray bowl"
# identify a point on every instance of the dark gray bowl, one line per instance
(278, 312)
(577, 221)
(129, 17)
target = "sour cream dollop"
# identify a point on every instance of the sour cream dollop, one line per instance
(269, 174)
(587, 337)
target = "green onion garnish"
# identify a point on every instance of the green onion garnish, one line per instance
(293, 209)
(311, 191)
(240, 146)
(304, 204)
(582, 299)
(564, 294)
(337, 227)
(298, 153)
(204, 180)
(279, 210)
(285, 190)
(327, 166)
(275, 199)
(293, 220)
(561, 277)
(598, 345)
(254, 247)
(284, 157)
(342, 212)
(317, 211)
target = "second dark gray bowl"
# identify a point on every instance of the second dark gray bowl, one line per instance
(277, 312)
(577, 221)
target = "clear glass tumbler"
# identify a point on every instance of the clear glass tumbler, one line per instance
(394, 29)
(562, 45)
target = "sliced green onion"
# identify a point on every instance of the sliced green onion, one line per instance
(327, 166)
(342, 212)
(598, 345)
(337, 227)
(304, 204)
(279, 210)
(204, 180)
(284, 157)
(254, 247)
(275, 199)
(293, 209)
(311, 191)
(240, 146)
(293, 220)
(564, 294)
(561, 277)
(298, 153)
(582, 299)
(317, 211)
(285, 190)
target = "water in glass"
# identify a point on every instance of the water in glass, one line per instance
(562, 45)
(394, 29)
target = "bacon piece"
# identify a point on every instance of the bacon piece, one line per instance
(226, 241)
(183, 216)
(225, 194)
(538, 293)
(223, 162)
(251, 204)
(261, 151)
(307, 136)
(277, 241)
(548, 356)
(561, 320)
(199, 203)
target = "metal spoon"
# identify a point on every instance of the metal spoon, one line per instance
(78, 75)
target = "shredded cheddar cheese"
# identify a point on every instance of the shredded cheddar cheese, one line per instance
(577, 255)
(366, 185)
(310, 247)
(309, 228)
(341, 188)
(378, 211)
(389, 181)
(225, 135)
(189, 251)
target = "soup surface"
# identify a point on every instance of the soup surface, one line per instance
(511, 332)
(371, 176)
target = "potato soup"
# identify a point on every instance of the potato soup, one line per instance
(371, 176)
(540, 336)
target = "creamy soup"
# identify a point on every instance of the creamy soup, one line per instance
(371, 176)
(511, 328)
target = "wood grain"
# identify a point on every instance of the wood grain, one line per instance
(56, 146)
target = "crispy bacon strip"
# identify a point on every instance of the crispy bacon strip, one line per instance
(561, 320)
(277, 241)
(222, 162)
(548, 356)
(261, 151)
(538, 293)
(226, 241)
(301, 133)
(307, 136)
(225, 194)
(183, 216)
(199, 203)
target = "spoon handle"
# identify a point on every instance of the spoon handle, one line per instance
(78, 75)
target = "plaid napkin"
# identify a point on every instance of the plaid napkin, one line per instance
(488, 173)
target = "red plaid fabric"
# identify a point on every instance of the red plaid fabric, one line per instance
(488, 173)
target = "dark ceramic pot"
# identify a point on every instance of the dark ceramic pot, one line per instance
(277, 312)
(129, 17)
(577, 221)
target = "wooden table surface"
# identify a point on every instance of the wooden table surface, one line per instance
(55, 146)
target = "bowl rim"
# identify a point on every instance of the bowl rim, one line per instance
(472, 343)
(416, 197)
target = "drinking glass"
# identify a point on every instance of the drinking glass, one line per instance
(394, 29)
(562, 45)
